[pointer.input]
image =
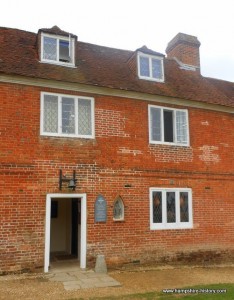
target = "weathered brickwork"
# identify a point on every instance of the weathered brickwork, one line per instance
(185, 48)
(169, 154)
(119, 161)
(110, 123)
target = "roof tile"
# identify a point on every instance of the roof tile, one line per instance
(107, 67)
(55, 30)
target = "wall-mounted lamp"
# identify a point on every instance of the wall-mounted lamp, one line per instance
(71, 181)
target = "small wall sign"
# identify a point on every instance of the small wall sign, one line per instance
(100, 209)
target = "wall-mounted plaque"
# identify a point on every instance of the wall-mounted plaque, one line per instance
(100, 209)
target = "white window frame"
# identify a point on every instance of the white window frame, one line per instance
(58, 38)
(150, 57)
(177, 224)
(175, 143)
(59, 133)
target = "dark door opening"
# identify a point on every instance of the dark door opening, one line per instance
(74, 227)
(65, 229)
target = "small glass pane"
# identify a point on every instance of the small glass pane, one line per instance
(155, 124)
(84, 117)
(68, 115)
(157, 68)
(171, 216)
(50, 48)
(144, 66)
(50, 114)
(181, 127)
(157, 207)
(64, 51)
(118, 210)
(184, 212)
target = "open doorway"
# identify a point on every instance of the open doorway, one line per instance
(65, 237)
(65, 229)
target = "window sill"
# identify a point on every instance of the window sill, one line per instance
(160, 227)
(91, 137)
(61, 64)
(151, 79)
(168, 144)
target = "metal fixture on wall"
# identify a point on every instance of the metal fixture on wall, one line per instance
(71, 181)
(127, 185)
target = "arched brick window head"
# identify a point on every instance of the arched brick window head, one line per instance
(118, 209)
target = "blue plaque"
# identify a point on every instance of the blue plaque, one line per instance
(100, 209)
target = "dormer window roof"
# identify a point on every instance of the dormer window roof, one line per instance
(150, 64)
(57, 47)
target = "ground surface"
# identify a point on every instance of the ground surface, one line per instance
(133, 280)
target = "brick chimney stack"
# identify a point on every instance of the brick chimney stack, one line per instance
(184, 49)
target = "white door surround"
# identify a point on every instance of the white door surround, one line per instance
(83, 227)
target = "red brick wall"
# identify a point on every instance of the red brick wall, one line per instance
(187, 54)
(119, 155)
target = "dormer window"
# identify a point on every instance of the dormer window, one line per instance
(150, 67)
(57, 50)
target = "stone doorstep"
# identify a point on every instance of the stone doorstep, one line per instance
(77, 286)
(90, 281)
(78, 275)
(95, 275)
(83, 280)
(62, 277)
(109, 280)
(71, 287)
(72, 283)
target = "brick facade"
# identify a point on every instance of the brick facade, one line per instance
(119, 161)
(184, 48)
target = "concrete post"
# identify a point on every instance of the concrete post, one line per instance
(100, 266)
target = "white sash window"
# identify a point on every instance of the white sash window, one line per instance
(65, 115)
(57, 50)
(168, 126)
(150, 67)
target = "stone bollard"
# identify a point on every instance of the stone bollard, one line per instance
(100, 266)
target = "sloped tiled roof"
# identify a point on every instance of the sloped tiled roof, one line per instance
(56, 30)
(146, 50)
(107, 67)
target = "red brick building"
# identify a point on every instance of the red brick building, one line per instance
(114, 152)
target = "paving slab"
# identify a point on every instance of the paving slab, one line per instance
(62, 277)
(72, 285)
(76, 278)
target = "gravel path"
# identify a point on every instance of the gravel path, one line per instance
(133, 280)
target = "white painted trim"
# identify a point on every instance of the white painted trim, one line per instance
(150, 57)
(83, 235)
(123, 94)
(83, 239)
(164, 225)
(47, 234)
(186, 66)
(162, 127)
(59, 64)
(57, 61)
(59, 133)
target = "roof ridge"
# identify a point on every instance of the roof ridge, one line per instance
(109, 67)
